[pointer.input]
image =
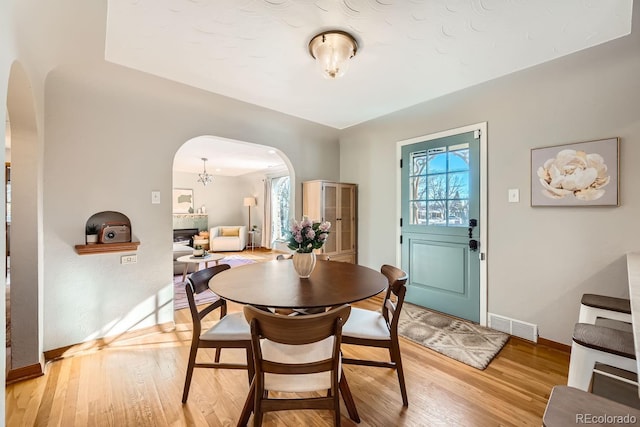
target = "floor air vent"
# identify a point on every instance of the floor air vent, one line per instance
(514, 327)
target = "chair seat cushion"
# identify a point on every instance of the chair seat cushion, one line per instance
(366, 324)
(292, 354)
(233, 326)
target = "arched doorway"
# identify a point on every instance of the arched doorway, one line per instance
(240, 169)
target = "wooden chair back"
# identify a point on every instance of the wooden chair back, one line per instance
(394, 298)
(197, 283)
(296, 331)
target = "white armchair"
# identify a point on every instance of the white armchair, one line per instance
(228, 238)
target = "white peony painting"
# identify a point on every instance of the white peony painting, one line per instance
(580, 174)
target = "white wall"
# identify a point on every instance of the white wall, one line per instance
(7, 54)
(540, 260)
(222, 198)
(111, 135)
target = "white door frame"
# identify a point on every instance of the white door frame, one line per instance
(482, 253)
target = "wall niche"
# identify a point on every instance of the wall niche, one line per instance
(107, 231)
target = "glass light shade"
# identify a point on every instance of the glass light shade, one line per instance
(332, 51)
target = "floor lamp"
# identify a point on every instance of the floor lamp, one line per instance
(248, 202)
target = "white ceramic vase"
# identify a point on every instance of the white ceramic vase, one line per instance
(304, 263)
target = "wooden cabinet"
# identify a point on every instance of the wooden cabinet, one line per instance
(334, 202)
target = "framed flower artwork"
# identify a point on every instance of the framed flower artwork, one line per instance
(578, 174)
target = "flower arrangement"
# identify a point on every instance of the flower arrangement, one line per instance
(306, 235)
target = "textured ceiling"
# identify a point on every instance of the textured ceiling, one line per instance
(409, 51)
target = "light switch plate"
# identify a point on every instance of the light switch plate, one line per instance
(514, 195)
(155, 197)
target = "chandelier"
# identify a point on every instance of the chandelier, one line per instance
(332, 50)
(204, 177)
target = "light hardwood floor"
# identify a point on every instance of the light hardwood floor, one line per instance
(138, 382)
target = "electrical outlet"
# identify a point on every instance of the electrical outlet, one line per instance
(129, 259)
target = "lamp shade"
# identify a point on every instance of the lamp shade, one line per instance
(332, 50)
(249, 201)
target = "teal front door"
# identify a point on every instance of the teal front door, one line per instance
(440, 224)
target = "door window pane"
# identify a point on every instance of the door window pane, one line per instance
(418, 212)
(458, 185)
(418, 188)
(439, 186)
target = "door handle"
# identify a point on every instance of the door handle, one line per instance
(472, 224)
(473, 245)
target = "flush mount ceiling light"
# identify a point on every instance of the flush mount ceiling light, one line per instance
(204, 177)
(333, 50)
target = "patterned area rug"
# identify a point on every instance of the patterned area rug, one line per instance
(463, 341)
(206, 297)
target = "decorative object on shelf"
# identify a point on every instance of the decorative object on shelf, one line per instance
(304, 237)
(248, 202)
(91, 233)
(332, 50)
(182, 200)
(204, 177)
(579, 174)
(114, 234)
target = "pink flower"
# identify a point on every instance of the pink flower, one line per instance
(307, 235)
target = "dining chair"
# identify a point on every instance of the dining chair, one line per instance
(380, 328)
(231, 331)
(298, 354)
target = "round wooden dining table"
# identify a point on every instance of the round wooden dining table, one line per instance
(276, 284)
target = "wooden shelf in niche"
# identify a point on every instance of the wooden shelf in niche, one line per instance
(101, 248)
